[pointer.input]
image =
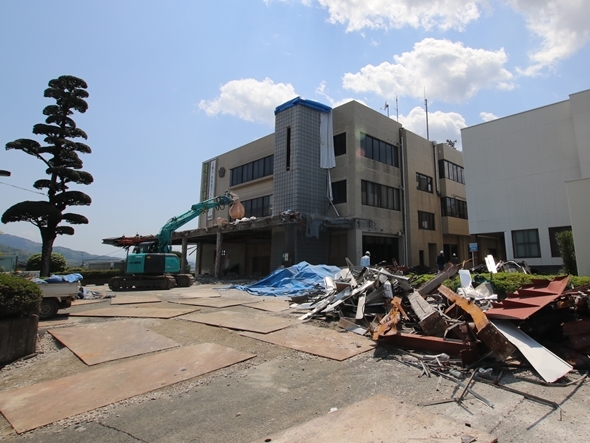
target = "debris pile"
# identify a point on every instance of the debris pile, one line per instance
(543, 324)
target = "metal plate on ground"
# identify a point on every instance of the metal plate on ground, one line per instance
(43, 403)
(136, 298)
(242, 321)
(99, 342)
(270, 305)
(317, 341)
(211, 302)
(126, 311)
(380, 418)
(81, 301)
(200, 294)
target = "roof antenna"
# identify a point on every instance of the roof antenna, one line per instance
(386, 108)
(426, 105)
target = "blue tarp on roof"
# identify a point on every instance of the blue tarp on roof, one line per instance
(297, 279)
(300, 101)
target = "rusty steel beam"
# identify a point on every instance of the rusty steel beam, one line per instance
(486, 331)
(426, 343)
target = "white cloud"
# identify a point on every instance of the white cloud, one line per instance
(562, 26)
(447, 70)
(321, 90)
(488, 116)
(249, 99)
(388, 14)
(442, 126)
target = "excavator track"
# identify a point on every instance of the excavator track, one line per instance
(138, 282)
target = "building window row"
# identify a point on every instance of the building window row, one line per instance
(451, 171)
(253, 170)
(379, 150)
(258, 207)
(380, 196)
(426, 220)
(423, 182)
(451, 207)
(339, 192)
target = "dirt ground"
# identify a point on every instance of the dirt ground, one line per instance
(281, 388)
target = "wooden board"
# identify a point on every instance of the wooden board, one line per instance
(136, 298)
(43, 403)
(317, 341)
(380, 419)
(242, 321)
(99, 342)
(126, 311)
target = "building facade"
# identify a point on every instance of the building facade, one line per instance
(329, 184)
(526, 175)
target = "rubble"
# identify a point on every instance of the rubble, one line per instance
(472, 327)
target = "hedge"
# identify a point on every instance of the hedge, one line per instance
(19, 297)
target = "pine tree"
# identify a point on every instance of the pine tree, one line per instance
(60, 155)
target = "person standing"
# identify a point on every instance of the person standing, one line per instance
(454, 259)
(441, 261)
(366, 259)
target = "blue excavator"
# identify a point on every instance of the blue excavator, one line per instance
(151, 264)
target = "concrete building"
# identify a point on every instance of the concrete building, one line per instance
(379, 188)
(528, 177)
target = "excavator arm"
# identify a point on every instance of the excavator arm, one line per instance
(165, 235)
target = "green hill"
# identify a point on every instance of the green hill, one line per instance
(24, 248)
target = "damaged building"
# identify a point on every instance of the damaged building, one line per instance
(330, 184)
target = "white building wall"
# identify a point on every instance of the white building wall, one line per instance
(516, 168)
(578, 191)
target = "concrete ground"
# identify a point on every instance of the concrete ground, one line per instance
(281, 388)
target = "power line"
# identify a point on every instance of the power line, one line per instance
(24, 189)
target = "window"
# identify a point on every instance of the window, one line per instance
(451, 207)
(423, 182)
(339, 192)
(252, 171)
(426, 220)
(340, 144)
(380, 196)
(525, 243)
(451, 171)
(258, 207)
(553, 239)
(379, 150)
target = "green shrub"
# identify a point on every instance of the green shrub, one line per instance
(58, 263)
(565, 241)
(19, 297)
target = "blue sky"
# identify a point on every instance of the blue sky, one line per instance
(175, 83)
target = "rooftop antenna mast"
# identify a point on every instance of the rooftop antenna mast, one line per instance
(386, 108)
(426, 105)
(396, 109)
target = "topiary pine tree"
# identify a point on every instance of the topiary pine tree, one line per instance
(60, 155)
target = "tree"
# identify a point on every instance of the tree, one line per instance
(58, 263)
(565, 241)
(60, 155)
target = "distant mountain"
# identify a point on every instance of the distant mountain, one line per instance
(24, 248)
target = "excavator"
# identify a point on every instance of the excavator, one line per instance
(152, 265)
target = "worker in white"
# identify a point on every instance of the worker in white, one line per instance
(366, 259)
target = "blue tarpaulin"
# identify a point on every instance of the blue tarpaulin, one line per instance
(297, 279)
